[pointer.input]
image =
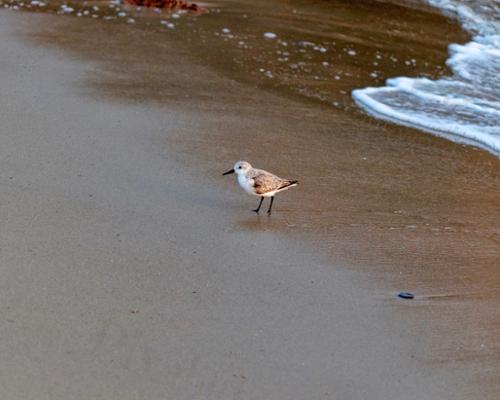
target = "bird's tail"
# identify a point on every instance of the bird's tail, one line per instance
(288, 184)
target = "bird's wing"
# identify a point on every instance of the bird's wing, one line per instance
(265, 182)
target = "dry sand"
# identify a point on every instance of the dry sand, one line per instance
(130, 269)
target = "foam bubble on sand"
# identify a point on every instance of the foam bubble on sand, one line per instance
(464, 107)
(66, 9)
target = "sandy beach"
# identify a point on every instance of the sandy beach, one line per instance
(131, 269)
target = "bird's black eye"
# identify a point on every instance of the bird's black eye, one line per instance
(239, 167)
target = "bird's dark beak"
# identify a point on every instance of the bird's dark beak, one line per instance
(231, 171)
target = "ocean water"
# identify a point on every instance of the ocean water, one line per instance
(323, 50)
(463, 107)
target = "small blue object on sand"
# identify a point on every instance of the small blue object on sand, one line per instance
(406, 295)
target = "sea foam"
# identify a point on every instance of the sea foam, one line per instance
(464, 107)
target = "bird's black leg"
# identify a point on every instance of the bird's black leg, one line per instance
(258, 208)
(270, 205)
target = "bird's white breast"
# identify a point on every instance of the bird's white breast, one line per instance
(246, 184)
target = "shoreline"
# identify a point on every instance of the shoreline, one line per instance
(372, 108)
(342, 281)
(453, 106)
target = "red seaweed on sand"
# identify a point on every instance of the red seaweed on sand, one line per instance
(168, 4)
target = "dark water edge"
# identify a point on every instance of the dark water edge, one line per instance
(322, 50)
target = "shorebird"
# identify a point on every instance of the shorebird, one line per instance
(259, 182)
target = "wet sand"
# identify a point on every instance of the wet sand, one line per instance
(131, 269)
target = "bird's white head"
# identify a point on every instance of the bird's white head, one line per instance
(241, 167)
